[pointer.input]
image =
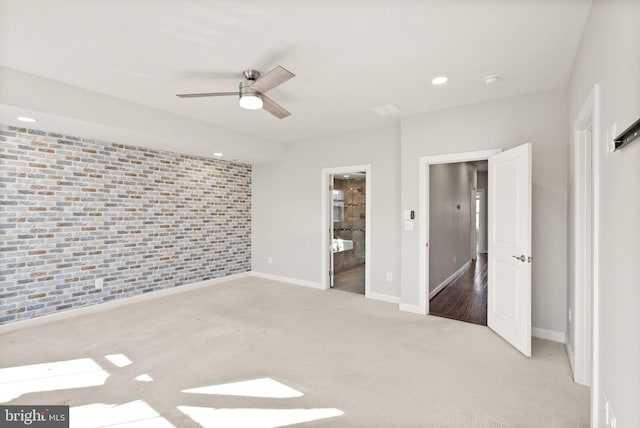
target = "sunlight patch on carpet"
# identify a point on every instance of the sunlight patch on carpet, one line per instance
(133, 414)
(119, 360)
(144, 378)
(255, 418)
(263, 388)
(80, 373)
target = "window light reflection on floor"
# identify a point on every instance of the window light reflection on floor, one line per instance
(144, 378)
(263, 387)
(255, 418)
(118, 360)
(80, 373)
(135, 413)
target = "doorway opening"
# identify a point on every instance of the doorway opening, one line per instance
(458, 271)
(348, 243)
(509, 239)
(346, 231)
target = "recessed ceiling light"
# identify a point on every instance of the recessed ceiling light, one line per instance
(440, 80)
(346, 176)
(491, 79)
(218, 154)
(26, 119)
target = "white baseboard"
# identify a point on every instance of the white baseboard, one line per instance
(288, 280)
(99, 307)
(555, 336)
(415, 309)
(383, 297)
(448, 280)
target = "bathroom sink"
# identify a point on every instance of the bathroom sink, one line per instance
(338, 245)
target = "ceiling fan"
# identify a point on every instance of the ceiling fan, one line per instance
(252, 91)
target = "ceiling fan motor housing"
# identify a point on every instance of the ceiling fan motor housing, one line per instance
(250, 77)
(246, 89)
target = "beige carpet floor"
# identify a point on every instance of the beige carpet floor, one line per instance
(377, 366)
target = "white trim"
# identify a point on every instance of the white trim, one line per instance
(555, 336)
(589, 117)
(324, 223)
(414, 309)
(571, 356)
(423, 220)
(383, 297)
(288, 280)
(103, 306)
(446, 282)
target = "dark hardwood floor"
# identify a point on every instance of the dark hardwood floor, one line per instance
(465, 298)
(351, 280)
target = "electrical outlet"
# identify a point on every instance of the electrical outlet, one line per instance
(99, 282)
(270, 260)
(389, 276)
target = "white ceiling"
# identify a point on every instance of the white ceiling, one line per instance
(348, 56)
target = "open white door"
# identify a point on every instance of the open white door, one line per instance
(509, 293)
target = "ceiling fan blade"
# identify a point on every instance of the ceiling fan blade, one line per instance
(208, 94)
(274, 108)
(272, 79)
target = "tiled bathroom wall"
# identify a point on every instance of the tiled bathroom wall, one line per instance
(85, 222)
(352, 226)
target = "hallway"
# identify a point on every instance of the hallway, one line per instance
(465, 298)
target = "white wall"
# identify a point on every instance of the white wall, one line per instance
(450, 186)
(609, 55)
(286, 205)
(539, 118)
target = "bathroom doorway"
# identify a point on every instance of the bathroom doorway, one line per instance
(348, 218)
(346, 229)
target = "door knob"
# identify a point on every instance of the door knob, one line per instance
(521, 258)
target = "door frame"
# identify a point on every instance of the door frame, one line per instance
(325, 218)
(423, 221)
(586, 251)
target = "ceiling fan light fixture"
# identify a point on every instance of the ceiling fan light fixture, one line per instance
(251, 102)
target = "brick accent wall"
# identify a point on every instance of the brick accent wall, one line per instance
(75, 210)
